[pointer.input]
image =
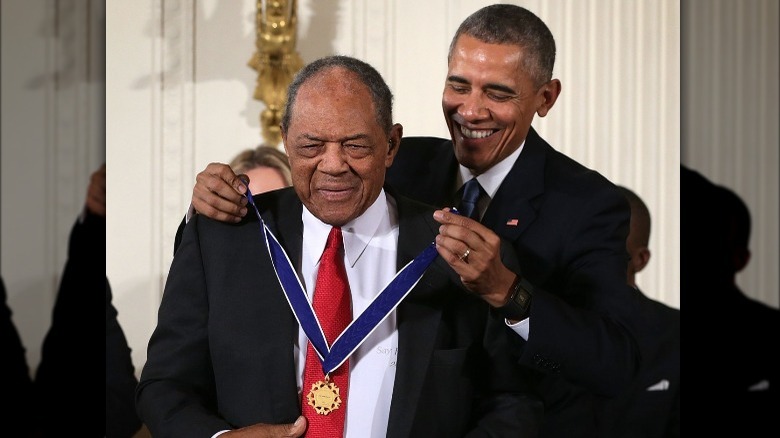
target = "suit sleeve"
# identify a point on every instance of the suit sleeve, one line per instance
(179, 234)
(586, 331)
(176, 395)
(510, 406)
(121, 419)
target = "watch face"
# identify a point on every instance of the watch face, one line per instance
(522, 297)
(518, 306)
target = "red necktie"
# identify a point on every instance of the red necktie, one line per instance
(332, 305)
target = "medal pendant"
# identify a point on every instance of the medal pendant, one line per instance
(324, 397)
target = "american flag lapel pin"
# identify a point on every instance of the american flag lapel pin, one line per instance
(511, 223)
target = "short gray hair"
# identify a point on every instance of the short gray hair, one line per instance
(368, 75)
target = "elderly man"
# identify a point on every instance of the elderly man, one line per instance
(243, 346)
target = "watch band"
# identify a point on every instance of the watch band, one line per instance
(519, 305)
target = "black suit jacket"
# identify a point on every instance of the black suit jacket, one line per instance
(650, 407)
(17, 386)
(569, 235)
(221, 355)
(70, 355)
(736, 337)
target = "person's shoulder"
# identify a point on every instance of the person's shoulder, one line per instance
(579, 183)
(275, 198)
(760, 313)
(659, 305)
(423, 148)
(407, 205)
(564, 172)
(664, 317)
(667, 313)
(568, 172)
(272, 202)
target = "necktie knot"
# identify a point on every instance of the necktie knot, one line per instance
(471, 194)
(335, 241)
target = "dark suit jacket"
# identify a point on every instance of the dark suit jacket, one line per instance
(736, 336)
(17, 386)
(650, 407)
(570, 238)
(121, 418)
(221, 356)
(75, 333)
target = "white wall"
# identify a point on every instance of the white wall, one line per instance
(179, 96)
(53, 90)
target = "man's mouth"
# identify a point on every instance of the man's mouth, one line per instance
(475, 133)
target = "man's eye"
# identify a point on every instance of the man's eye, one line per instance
(357, 150)
(459, 89)
(499, 97)
(308, 150)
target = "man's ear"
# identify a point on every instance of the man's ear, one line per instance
(393, 143)
(640, 259)
(548, 94)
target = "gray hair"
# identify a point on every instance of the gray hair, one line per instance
(368, 75)
(515, 25)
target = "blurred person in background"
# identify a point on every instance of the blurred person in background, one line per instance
(16, 391)
(266, 167)
(737, 336)
(67, 385)
(650, 407)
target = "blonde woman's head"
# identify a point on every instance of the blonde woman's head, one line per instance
(266, 166)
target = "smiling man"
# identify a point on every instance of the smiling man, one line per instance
(572, 313)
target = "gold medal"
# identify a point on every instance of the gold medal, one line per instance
(324, 397)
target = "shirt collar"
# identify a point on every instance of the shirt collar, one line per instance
(492, 178)
(356, 234)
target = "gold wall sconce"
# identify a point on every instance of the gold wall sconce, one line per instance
(275, 60)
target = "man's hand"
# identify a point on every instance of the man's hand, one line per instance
(96, 192)
(474, 252)
(292, 430)
(219, 193)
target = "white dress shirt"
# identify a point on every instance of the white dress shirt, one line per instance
(370, 250)
(370, 246)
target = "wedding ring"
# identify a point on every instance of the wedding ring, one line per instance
(465, 255)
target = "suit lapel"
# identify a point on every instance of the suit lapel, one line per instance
(417, 321)
(281, 212)
(511, 210)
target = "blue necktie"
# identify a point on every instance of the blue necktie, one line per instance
(468, 204)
